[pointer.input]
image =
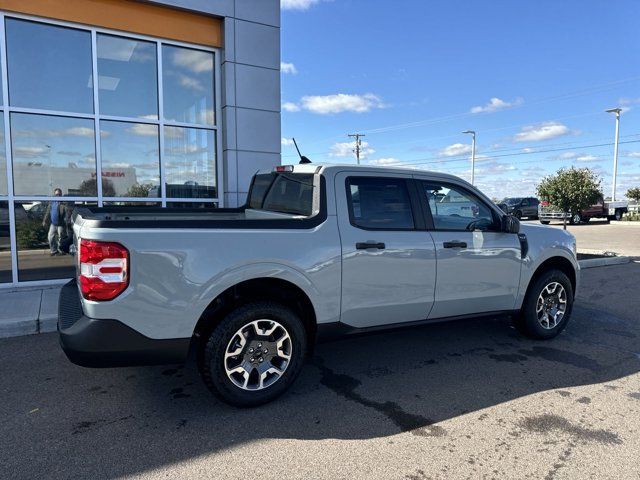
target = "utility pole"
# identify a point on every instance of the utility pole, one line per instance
(615, 151)
(358, 144)
(473, 154)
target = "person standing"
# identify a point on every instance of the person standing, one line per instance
(54, 217)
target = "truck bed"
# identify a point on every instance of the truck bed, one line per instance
(157, 217)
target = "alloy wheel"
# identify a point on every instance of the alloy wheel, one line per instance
(258, 354)
(551, 305)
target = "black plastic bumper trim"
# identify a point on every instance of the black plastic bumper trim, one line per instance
(110, 343)
(98, 343)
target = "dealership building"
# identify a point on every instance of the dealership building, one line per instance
(172, 103)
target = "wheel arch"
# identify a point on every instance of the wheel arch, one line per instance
(256, 289)
(556, 262)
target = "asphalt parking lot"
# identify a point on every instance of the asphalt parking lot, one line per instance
(469, 399)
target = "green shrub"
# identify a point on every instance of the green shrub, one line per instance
(30, 234)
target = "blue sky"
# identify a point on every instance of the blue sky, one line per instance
(532, 78)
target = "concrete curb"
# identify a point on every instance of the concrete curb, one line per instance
(27, 312)
(603, 262)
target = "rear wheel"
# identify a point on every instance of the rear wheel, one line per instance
(547, 307)
(544, 222)
(618, 215)
(576, 219)
(254, 354)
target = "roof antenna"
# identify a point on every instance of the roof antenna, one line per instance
(303, 159)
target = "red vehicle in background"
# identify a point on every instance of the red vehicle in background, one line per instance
(601, 209)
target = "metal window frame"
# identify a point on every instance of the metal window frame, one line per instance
(6, 110)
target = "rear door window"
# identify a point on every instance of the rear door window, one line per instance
(379, 203)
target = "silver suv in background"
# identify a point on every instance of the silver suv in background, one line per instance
(317, 250)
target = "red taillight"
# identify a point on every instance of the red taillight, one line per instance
(103, 269)
(544, 203)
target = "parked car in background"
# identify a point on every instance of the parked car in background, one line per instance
(520, 207)
(601, 209)
(317, 250)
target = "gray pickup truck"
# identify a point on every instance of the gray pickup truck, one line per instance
(316, 251)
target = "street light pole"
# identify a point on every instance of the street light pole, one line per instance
(473, 154)
(615, 151)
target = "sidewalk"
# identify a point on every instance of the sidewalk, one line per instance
(28, 311)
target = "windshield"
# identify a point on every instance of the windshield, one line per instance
(283, 193)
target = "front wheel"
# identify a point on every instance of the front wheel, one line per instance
(254, 354)
(547, 306)
(576, 219)
(545, 222)
(518, 214)
(618, 215)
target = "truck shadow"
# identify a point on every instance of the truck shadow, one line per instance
(133, 420)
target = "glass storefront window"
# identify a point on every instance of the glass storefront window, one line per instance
(49, 67)
(190, 162)
(52, 152)
(52, 117)
(3, 159)
(43, 248)
(5, 245)
(127, 77)
(187, 83)
(130, 159)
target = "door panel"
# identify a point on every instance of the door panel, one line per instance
(478, 267)
(388, 267)
(482, 277)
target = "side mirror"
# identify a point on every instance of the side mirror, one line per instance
(510, 224)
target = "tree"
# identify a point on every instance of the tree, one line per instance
(634, 194)
(88, 188)
(570, 190)
(139, 190)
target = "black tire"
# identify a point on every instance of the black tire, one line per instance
(575, 219)
(211, 356)
(545, 222)
(518, 214)
(586, 220)
(527, 320)
(618, 215)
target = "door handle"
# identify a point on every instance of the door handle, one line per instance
(366, 245)
(454, 244)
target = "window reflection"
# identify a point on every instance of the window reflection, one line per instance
(5, 245)
(190, 162)
(3, 159)
(43, 249)
(187, 77)
(51, 152)
(127, 77)
(130, 159)
(198, 205)
(49, 67)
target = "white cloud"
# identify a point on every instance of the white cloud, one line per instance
(631, 154)
(626, 102)
(347, 149)
(30, 151)
(544, 131)
(567, 156)
(587, 158)
(143, 129)
(341, 102)
(495, 104)
(288, 68)
(195, 60)
(290, 107)
(455, 150)
(385, 162)
(286, 142)
(297, 4)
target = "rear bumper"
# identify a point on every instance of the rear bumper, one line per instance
(98, 343)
